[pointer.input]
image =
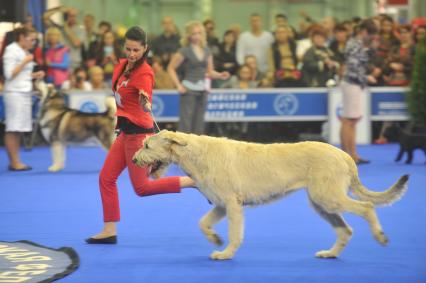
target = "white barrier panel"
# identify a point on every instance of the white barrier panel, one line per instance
(88, 101)
(363, 128)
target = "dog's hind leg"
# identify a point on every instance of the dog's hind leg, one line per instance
(208, 220)
(400, 153)
(234, 211)
(343, 231)
(58, 156)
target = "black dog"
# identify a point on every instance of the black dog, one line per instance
(408, 142)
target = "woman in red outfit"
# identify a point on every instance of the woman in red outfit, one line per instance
(132, 83)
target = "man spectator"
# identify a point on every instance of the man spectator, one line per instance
(255, 42)
(212, 40)
(90, 35)
(166, 44)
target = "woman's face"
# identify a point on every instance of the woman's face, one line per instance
(53, 38)
(29, 41)
(109, 38)
(405, 35)
(196, 35)
(229, 38)
(97, 77)
(134, 50)
(281, 34)
(251, 62)
(318, 40)
(244, 73)
(386, 27)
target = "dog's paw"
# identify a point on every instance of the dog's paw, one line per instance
(215, 239)
(217, 255)
(55, 168)
(325, 254)
(381, 238)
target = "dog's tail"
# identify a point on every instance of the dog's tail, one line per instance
(387, 197)
(111, 106)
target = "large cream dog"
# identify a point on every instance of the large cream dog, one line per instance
(232, 174)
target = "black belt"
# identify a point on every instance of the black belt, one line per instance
(127, 127)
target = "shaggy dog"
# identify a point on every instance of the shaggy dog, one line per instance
(232, 174)
(60, 124)
(408, 142)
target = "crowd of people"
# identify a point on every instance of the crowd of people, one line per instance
(78, 55)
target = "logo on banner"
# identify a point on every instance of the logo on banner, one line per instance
(89, 107)
(157, 106)
(286, 104)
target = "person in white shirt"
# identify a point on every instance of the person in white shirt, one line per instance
(255, 42)
(18, 71)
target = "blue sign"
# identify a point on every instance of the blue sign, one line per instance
(388, 103)
(253, 105)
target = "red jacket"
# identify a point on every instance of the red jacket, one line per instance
(127, 92)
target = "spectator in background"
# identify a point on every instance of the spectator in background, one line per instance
(399, 64)
(280, 20)
(328, 25)
(236, 29)
(97, 81)
(18, 67)
(72, 32)
(338, 44)
(387, 41)
(57, 57)
(256, 74)
(226, 60)
(197, 61)
(77, 81)
(212, 40)
(90, 36)
(319, 66)
(420, 35)
(242, 80)
(162, 78)
(107, 54)
(166, 44)
(255, 42)
(282, 61)
(358, 54)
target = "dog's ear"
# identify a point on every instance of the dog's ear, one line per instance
(173, 137)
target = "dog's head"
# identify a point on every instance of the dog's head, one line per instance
(393, 132)
(158, 151)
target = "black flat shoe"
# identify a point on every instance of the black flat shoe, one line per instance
(107, 240)
(25, 168)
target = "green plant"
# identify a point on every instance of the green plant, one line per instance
(416, 96)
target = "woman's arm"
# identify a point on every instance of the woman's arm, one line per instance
(212, 73)
(175, 62)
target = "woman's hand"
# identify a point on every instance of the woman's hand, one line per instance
(224, 75)
(38, 75)
(144, 101)
(181, 89)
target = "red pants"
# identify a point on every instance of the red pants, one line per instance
(119, 156)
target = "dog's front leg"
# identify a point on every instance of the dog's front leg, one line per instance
(58, 156)
(207, 221)
(234, 210)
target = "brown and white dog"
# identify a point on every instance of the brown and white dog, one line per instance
(60, 124)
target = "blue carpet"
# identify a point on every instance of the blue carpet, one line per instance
(159, 240)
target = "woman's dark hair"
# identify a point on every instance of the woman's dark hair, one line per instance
(137, 34)
(23, 31)
(369, 26)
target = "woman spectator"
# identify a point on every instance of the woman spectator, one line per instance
(387, 41)
(319, 65)
(96, 76)
(243, 79)
(256, 74)
(18, 72)
(107, 54)
(196, 61)
(337, 46)
(57, 57)
(226, 60)
(282, 61)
